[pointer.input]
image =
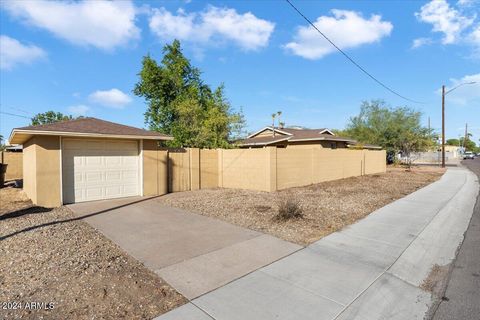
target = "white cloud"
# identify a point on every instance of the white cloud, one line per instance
(110, 98)
(420, 42)
(466, 94)
(444, 19)
(101, 24)
(213, 24)
(78, 110)
(347, 29)
(466, 3)
(13, 52)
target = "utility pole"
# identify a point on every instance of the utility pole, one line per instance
(465, 138)
(443, 126)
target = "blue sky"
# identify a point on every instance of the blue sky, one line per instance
(82, 58)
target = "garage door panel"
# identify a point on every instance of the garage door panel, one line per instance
(113, 176)
(113, 191)
(93, 161)
(94, 193)
(94, 170)
(94, 177)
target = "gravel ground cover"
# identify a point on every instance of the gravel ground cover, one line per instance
(327, 207)
(71, 267)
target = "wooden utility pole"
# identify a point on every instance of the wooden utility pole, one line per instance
(443, 126)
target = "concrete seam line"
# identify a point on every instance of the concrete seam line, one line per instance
(246, 274)
(205, 253)
(415, 238)
(300, 287)
(199, 308)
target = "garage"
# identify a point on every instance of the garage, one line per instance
(88, 159)
(100, 169)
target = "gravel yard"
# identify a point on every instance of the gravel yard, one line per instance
(46, 258)
(327, 207)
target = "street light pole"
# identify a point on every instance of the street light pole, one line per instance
(443, 126)
(443, 116)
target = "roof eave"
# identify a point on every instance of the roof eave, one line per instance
(21, 136)
(268, 128)
(322, 139)
(263, 143)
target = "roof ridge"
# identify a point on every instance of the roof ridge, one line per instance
(119, 124)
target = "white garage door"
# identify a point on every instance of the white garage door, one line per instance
(99, 169)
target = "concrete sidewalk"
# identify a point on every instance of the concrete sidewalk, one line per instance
(370, 270)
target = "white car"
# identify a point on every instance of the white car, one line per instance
(468, 155)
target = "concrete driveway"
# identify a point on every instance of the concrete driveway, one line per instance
(193, 253)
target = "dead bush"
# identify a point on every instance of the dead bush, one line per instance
(289, 208)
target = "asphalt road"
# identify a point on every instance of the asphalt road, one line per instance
(463, 290)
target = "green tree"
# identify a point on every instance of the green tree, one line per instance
(469, 145)
(453, 142)
(49, 117)
(395, 129)
(180, 104)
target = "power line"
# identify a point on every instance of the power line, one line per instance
(351, 59)
(14, 115)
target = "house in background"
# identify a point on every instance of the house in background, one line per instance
(299, 138)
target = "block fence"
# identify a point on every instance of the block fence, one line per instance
(14, 160)
(267, 169)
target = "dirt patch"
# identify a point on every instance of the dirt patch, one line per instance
(48, 258)
(436, 279)
(327, 207)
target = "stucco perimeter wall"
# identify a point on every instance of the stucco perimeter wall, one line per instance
(299, 167)
(155, 169)
(266, 169)
(208, 168)
(245, 168)
(41, 171)
(14, 160)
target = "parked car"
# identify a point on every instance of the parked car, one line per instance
(468, 155)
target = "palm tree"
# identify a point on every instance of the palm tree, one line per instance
(279, 113)
(273, 123)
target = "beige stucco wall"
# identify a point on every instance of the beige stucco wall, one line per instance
(154, 169)
(208, 168)
(299, 167)
(14, 160)
(266, 169)
(41, 171)
(48, 171)
(29, 169)
(244, 169)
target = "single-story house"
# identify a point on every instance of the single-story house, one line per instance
(89, 159)
(299, 137)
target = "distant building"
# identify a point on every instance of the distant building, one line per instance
(299, 137)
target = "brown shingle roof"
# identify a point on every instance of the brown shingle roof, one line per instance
(295, 135)
(94, 126)
(263, 140)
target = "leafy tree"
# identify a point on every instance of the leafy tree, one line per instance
(395, 129)
(49, 117)
(469, 145)
(453, 142)
(182, 105)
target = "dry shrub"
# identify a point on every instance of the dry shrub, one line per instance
(289, 208)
